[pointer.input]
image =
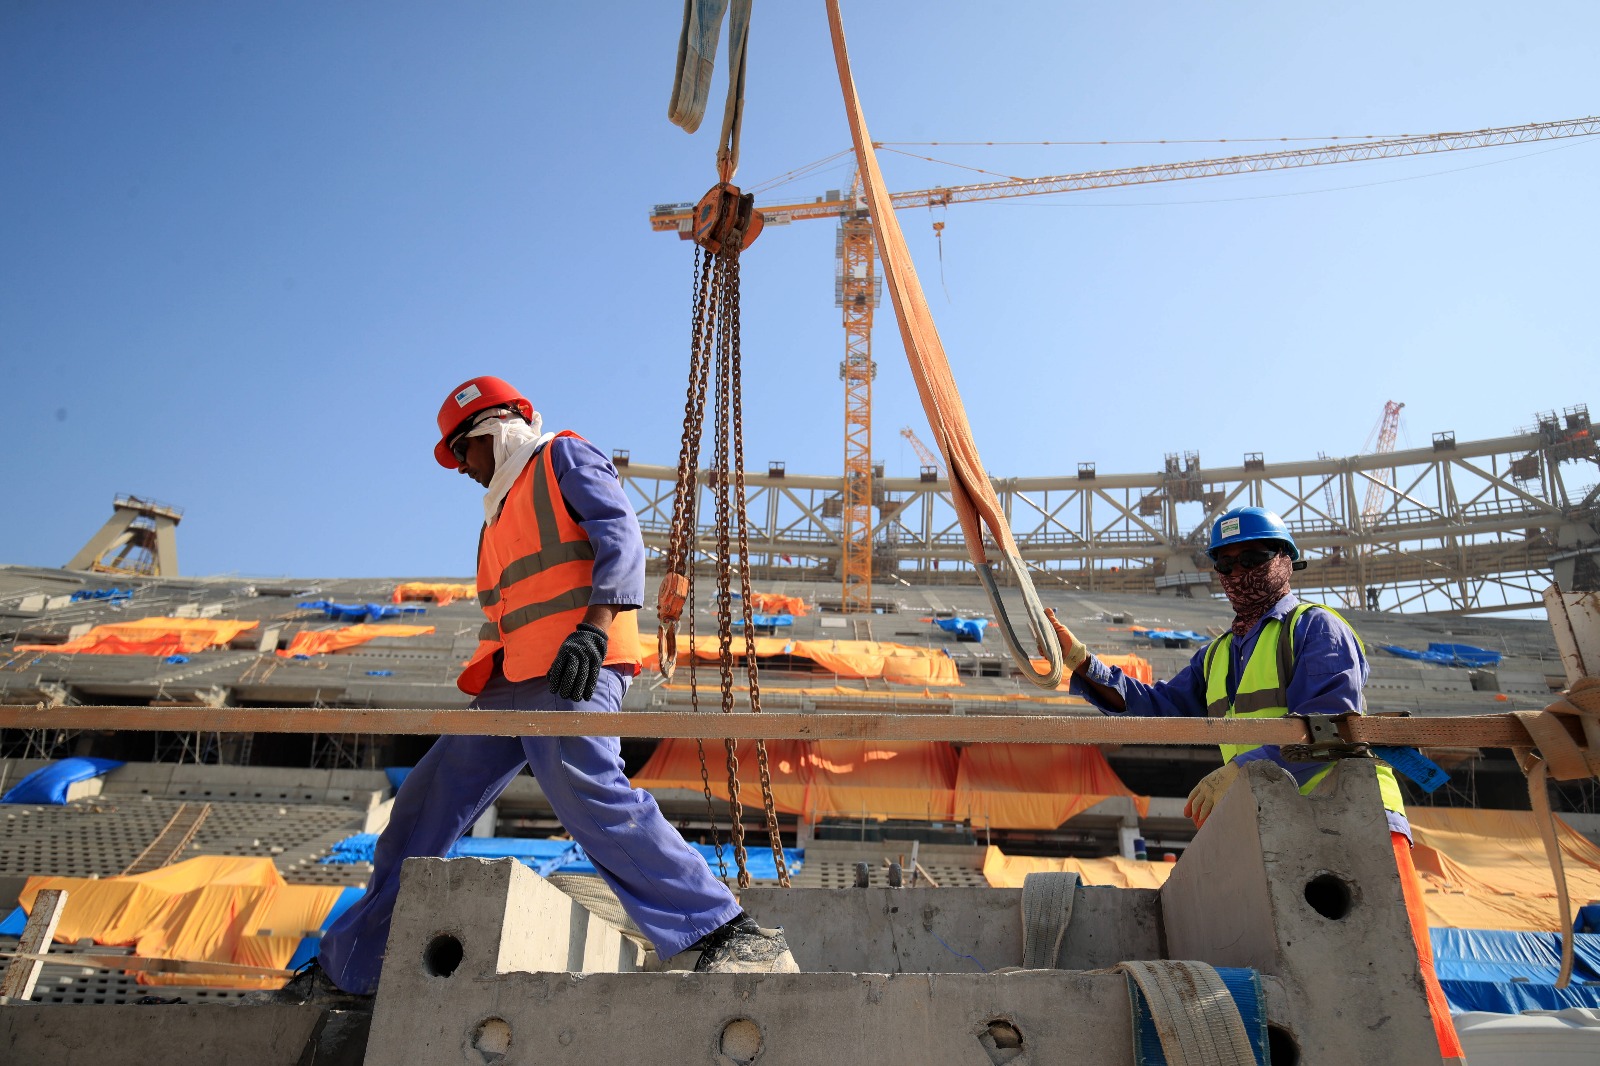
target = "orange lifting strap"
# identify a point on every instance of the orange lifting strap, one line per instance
(974, 497)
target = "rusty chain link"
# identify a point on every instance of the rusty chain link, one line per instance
(731, 327)
(715, 367)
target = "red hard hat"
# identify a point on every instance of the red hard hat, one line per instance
(466, 400)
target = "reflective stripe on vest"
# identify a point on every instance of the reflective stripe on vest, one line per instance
(1263, 690)
(535, 567)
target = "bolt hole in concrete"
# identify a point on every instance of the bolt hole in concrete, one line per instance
(491, 1039)
(1281, 1047)
(1001, 1040)
(442, 955)
(1329, 896)
(740, 1042)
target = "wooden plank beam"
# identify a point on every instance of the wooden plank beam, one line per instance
(1484, 731)
(21, 974)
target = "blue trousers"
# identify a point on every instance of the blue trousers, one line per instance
(664, 884)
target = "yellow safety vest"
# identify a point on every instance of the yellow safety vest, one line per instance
(1263, 691)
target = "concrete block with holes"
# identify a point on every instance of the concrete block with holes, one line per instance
(488, 963)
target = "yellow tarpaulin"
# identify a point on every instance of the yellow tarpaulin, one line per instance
(150, 636)
(322, 641)
(215, 908)
(1487, 869)
(442, 594)
(1007, 871)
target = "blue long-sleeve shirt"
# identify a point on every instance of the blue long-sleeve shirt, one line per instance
(595, 498)
(1329, 674)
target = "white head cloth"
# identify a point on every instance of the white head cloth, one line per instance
(515, 443)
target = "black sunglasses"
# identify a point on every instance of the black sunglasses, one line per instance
(1246, 560)
(458, 443)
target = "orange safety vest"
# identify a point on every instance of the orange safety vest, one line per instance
(535, 567)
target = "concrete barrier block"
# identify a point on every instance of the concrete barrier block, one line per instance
(1305, 888)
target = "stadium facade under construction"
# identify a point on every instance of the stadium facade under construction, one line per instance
(1473, 530)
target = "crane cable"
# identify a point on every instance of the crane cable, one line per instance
(725, 223)
(973, 496)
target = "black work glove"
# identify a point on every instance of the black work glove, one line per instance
(576, 669)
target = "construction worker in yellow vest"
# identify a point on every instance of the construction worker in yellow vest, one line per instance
(1280, 656)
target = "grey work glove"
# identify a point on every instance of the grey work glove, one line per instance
(576, 669)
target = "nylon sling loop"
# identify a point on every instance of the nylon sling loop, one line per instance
(974, 497)
(725, 224)
(691, 82)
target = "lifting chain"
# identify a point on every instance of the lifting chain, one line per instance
(725, 223)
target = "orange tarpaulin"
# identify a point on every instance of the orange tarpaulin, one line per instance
(676, 764)
(903, 664)
(216, 908)
(1487, 869)
(1011, 786)
(322, 641)
(150, 636)
(1007, 871)
(772, 603)
(1135, 667)
(879, 780)
(1034, 786)
(442, 594)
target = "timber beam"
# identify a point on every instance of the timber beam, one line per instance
(1482, 731)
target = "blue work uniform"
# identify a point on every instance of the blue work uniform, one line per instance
(663, 883)
(1329, 673)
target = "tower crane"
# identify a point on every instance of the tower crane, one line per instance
(858, 287)
(1380, 442)
(931, 461)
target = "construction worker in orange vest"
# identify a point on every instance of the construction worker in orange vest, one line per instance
(560, 575)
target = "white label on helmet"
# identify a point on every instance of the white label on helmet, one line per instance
(467, 395)
(1230, 528)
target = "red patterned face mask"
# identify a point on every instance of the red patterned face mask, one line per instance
(1254, 592)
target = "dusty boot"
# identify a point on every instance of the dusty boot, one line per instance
(741, 946)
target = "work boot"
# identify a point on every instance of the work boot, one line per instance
(310, 986)
(742, 946)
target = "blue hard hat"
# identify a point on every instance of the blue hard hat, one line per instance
(1250, 523)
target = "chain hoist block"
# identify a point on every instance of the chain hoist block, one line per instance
(726, 218)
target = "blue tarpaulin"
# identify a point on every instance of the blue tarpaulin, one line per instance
(113, 595)
(548, 857)
(1447, 654)
(1172, 634)
(1514, 997)
(309, 946)
(49, 784)
(766, 620)
(1507, 972)
(396, 774)
(360, 612)
(963, 628)
(1501, 955)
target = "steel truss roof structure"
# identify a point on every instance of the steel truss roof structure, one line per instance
(1466, 526)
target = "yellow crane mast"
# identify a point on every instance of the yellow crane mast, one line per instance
(857, 291)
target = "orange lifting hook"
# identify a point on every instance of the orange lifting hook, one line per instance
(670, 598)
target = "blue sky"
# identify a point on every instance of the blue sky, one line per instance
(248, 247)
